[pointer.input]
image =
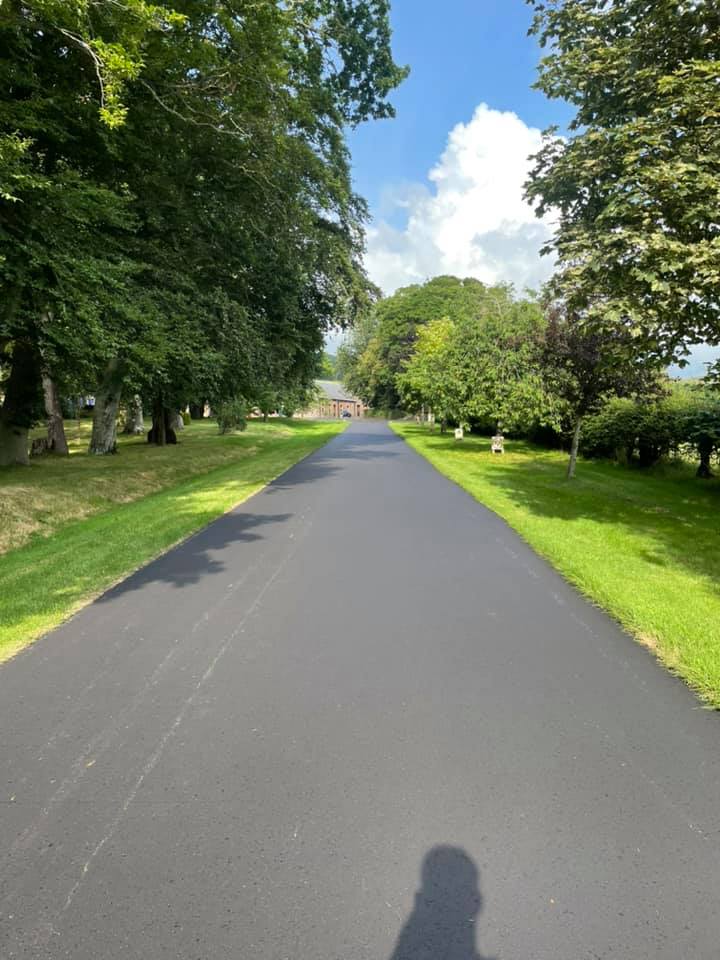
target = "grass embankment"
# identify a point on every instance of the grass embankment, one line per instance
(70, 527)
(642, 545)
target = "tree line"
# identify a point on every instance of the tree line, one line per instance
(634, 187)
(177, 219)
(465, 353)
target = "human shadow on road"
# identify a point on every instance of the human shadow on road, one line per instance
(443, 921)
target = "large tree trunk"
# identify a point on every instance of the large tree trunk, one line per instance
(13, 445)
(161, 431)
(57, 442)
(574, 449)
(21, 406)
(107, 402)
(705, 448)
(134, 423)
(648, 453)
(157, 432)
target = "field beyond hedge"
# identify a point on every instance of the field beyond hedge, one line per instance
(641, 544)
(72, 526)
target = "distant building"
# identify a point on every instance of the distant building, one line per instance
(332, 401)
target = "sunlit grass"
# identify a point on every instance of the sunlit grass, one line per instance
(643, 545)
(85, 522)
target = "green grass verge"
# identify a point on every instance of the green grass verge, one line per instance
(91, 540)
(642, 545)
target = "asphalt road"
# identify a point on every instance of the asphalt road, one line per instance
(356, 719)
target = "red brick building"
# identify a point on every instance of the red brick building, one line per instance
(333, 400)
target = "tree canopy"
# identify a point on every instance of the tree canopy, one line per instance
(483, 366)
(635, 183)
(584, 368)
(384, 338)
(177, 214)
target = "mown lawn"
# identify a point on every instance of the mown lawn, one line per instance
(644, 546)
(70, 527)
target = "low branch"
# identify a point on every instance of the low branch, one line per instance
(74, 38)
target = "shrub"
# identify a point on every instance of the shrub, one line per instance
(612, 432)
(186, 418)
(686, 420)
(701, 428)
(386, 413)
(232, 415)
(544, 436)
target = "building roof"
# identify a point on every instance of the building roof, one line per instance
(334, 390)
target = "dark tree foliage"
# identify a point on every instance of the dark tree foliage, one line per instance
(176, 212)
(685, 421)
(584, 367)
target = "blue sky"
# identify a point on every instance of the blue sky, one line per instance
(444, 178)
(461, 53)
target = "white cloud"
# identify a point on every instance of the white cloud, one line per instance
(471, 220)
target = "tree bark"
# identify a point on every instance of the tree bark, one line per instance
(57, 442)
(134, 423)
(107, 402)
(156, 434)
(705, 451)
(574, 449)
(197, 411)
(161, 432)
(21, 407)
(13, 445)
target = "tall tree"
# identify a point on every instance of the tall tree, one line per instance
(178, 217)
(637, 181)
(484, 366)
(426, 380)
(495, 356)
(385, 341)
(64, 268)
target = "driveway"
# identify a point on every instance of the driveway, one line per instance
(355, 719)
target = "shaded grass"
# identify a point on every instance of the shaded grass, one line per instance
(86, 522)
(642, 545)
(52, 491)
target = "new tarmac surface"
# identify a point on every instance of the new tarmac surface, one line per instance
(355, 719)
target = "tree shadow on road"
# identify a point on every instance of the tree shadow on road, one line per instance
(193, 561)
(198, 558)
(447, 905)
(365, 447)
